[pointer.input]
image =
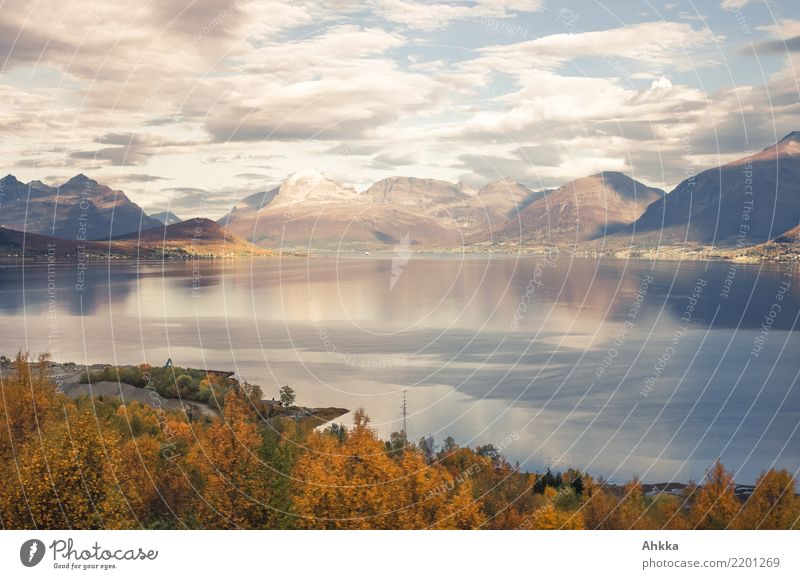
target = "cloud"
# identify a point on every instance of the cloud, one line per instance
(195, 201)
(733, 4)
(782, 29)
(540, 155)
(492, 168)
(634, 43)
(224, 96)
(351, 149)
(394, 160)
(128, 149)
(108, 40)
(548, 107)
(142, 178)
(486, 168)
(429, 16)
(337, 85)
(783, 46)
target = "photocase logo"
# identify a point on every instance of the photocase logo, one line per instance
(32, 552)
(402, 255)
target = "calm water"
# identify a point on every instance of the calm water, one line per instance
(607, 365)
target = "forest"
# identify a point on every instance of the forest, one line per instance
(96, 463)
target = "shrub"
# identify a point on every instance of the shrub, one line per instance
(186, 385)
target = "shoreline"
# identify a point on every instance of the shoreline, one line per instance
(67, 379)
(662, 256)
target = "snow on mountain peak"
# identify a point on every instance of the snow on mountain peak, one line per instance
(311, 185)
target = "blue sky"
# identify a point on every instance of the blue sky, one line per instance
(193, 105)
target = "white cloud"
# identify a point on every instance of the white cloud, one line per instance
(331, 86)
(782, 29)
(218, 95)
(733, 4)
(661, 83)
(654, 43)
(433, 15)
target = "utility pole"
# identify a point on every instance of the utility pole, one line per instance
(405, 420)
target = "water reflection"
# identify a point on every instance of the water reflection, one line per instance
(621, 367)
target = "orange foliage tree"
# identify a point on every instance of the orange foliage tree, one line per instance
(233, 481)
(715, 504)
(352, 482)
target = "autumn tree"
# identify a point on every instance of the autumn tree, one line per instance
(235, 489)
(95, 462)
(69, 477)
(282, 444)
(598, 504)
(631, 512)
(773, 504)
(715, 504)
(354, 483)
(667, 512)
(432, 498)
(548, 515)
(500, 488)
(153, 454)
(449, 446)
(27, 401)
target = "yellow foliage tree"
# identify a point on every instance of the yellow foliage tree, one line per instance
(69, 477)
(773, 504)
(549, 517)
(27, 399)
(598, 505)
(667, 513)
(355, 484)
(430, 497)
(715, 504)
(631, 512)
(235, 483)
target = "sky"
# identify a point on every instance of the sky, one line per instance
(191, 106)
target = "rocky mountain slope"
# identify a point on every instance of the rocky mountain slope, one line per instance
(582, 210)
(81, 208)
(785, 247)
(746, 202)
(313, 211)
(193, 238)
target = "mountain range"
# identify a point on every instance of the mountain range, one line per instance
(747, 202)
(81, 208)
(582, 210)
(310, 210)
(196, 237)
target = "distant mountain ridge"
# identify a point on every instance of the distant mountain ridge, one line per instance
(744, 203)
(748, 201)
(581, 210)
(194, 237)
(166, 217)
(428, 212)
(606, 207)
(81, 208)
(790, 236)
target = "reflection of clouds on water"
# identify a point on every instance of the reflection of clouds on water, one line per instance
(467, 374)
(31, 293)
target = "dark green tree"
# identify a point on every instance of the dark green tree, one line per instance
(287, 395)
